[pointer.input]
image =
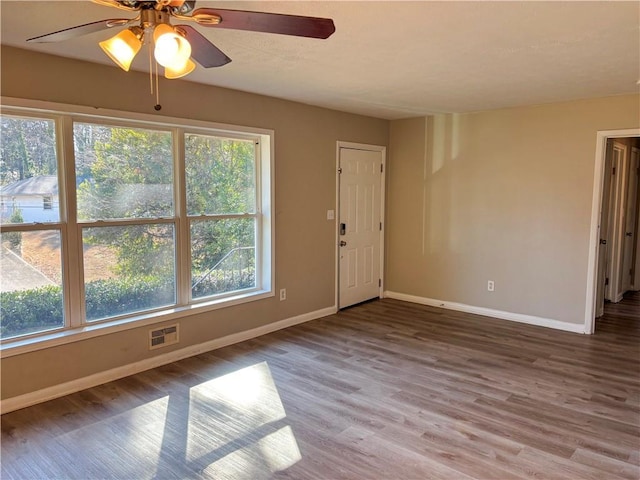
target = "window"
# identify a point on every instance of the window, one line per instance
(221, 210)
(31, 293)
(165, 219)
(125, 209)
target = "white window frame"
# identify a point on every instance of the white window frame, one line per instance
(76, 327)
(189, 219)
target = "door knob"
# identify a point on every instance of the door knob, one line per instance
(342, 243)
(629, 234)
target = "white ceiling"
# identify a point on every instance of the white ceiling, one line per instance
(395, 59)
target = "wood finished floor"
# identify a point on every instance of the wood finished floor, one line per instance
(383, 390)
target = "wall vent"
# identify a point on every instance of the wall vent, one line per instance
(162, 337)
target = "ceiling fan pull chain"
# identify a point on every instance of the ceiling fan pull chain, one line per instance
(150, 68)
(157, 106)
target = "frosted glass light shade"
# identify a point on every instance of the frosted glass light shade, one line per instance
(122, 48)
(171, 50)
(179, 72)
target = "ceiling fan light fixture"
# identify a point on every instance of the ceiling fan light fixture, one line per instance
(171, 49)
(172, 46)
(122, 48)
(172, 73)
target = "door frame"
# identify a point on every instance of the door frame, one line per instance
(596, 204)
(603, 248)
(372, 148)
(636, 279)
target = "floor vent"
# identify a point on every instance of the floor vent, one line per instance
(162, 337)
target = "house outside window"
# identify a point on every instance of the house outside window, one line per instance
(165, 218)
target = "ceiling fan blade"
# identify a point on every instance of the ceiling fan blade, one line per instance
(312, 27)
(79, 30)
(202, 50)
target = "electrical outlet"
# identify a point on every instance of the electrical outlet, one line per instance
(491, 286)
(283, 294)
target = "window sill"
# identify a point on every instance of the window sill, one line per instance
(20, 346)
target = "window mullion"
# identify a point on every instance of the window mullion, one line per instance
(123, 222)
(222, 216)
(73, 278)
(183, 242)
(29, 227)
(258, 217)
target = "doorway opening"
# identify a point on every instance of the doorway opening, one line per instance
(614, 254)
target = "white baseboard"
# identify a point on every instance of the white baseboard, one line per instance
(489, 312)
(56, 391)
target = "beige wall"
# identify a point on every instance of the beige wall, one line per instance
(502, 195)
(305, 151)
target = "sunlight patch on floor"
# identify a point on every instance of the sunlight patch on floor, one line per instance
(237, 426)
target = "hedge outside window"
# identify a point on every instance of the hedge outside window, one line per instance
(127, 219)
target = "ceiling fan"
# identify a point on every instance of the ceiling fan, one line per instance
(174, 46)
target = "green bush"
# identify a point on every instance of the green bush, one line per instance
(221, 281)
(109, 298)
(26, 311)
(14, 238)
(38, 309)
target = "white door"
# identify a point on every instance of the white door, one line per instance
(628, 269)
(636, 280)
(603, 249)
(360, 227)
(617, 211)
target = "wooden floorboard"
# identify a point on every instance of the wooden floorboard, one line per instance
(383, 390)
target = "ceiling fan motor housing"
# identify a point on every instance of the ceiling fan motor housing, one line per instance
(181, 8)
(151, 17)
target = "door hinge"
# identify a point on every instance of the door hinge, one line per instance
(614, 171)
(381, 168)
(339, 169)
(606, 281)
(379, 282)
(380, 226)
